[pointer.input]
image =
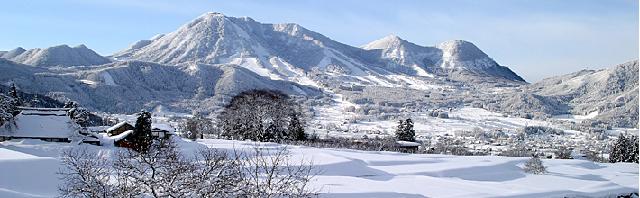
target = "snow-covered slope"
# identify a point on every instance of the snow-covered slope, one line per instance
(612, 92)
(61, 55)
(214, 38)
(406, 54)
(12, 53)
(132, 85)
(456, 59)
(29, 168)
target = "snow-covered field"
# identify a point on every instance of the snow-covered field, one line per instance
(28, 169)
(462, 119)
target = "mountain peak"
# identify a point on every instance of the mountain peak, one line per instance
(81, 46)
(20, 49)
(389, 41)
(461, 50)
(13, 53)
(59, 55)
(212, 14)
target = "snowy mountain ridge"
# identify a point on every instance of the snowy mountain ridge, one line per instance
(61, 55)
(214, 38)
(215, 56)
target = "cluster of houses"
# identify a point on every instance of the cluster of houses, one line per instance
(55, 125)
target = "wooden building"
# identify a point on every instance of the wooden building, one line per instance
(47, 124)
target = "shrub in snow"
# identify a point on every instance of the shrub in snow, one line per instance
(443, 115)
(78, 114)
(534, 166)
(563, 153)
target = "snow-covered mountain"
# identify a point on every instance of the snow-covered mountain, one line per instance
(214, 57)
(283, 51)
(129, 86)
(611, 94)
(406, 54)
(12, 53)
(455, 59)
(61, 55)
(271, 50)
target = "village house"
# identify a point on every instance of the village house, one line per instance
(123, 133)
(119, 128)
(47, 124)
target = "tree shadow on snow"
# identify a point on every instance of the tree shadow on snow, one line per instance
(495, 173)
(354, 168)
(372, 195)
(402, 162)
(571, 193)
(589, 165)
(590, 177)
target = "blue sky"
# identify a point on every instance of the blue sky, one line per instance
(536, 38)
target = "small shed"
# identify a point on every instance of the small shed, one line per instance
(407, 147)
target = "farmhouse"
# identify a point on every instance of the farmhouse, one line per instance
(48, 124)
(161, 130)
(123, 134)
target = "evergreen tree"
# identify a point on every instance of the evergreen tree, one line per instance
(405, 131)
(7, 108)
(625, 149)
(634, 149)
(296, 130)
(13, 93)
(410, 134)
(618, 150)
(400, 130)
(35, 102)
(142, 132)
(78, 114)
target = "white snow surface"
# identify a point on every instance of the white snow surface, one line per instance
(29, 169)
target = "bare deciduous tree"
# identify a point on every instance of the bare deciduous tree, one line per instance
(271, 174)
(163, 171)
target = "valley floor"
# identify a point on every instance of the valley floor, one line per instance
(28, 169)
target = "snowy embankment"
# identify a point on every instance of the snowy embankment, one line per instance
(29, 167)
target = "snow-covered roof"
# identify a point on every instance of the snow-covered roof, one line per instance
(40, 124)
(98, 128)
(120, 136)
(43, 109)
(165, 127)
(407, 143)
(114, 127)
